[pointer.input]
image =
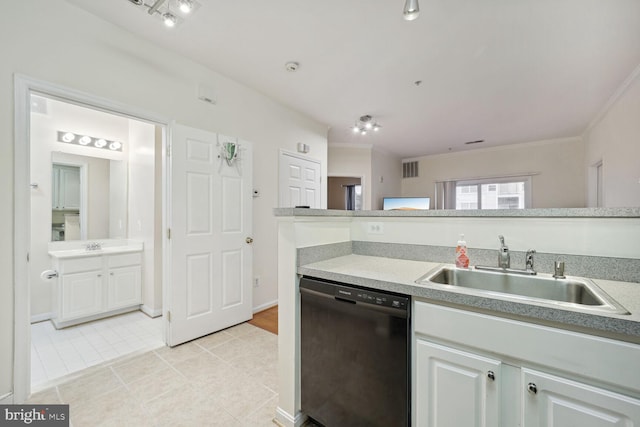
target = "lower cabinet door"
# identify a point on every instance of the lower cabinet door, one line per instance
(125, 287)
(455, 388)
(81, 294)
(551, 401)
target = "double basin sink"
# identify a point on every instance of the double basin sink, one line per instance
(571, 293)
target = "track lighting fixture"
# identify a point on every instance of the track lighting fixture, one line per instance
(365, 124)
(172, 12)
(411, 10)
(185, 6)
(169, 19)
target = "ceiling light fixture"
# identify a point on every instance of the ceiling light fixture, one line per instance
(169, 19)
(364, 124)
(185, 6)
(411, 10)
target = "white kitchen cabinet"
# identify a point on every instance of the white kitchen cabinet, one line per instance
(552, 401)
(95, 286)
(455, 388)
(553, 378)
(65, 187)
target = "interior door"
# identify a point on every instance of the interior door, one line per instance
(210, 234)
(299, 181)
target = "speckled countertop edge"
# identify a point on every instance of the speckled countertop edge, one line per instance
(397, 275)
(550, 212)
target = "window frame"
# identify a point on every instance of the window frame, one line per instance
(479, 182)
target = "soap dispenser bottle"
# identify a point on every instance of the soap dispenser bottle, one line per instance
(462, 259)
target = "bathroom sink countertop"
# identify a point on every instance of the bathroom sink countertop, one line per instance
(105, 250)
(398, 275)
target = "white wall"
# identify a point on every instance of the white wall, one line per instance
(141, 201)
(559, 182)
(59, 43)
(354, 161)
(386, 171)
(615, 140)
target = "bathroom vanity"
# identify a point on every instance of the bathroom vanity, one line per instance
(95, 281)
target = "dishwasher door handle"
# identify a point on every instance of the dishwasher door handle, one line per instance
(397, 312)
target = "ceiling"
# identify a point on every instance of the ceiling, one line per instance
(502, 71)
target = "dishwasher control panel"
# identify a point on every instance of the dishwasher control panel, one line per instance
(371, 297)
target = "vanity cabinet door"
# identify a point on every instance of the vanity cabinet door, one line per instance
(124, 287)
(551, 401)
(81, 294)
(455, 388)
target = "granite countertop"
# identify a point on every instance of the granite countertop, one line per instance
(536, 213)
(398, 275)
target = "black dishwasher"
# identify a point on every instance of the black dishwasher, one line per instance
(354, 355)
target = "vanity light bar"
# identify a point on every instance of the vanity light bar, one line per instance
(89, 141)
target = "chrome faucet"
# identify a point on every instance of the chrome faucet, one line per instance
(504, 259)
(529, 261)
(93, 246)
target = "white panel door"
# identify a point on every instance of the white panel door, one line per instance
(455, 388)
(551, 401)
(210, 217)
(299, 181)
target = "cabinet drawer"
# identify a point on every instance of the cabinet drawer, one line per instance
(77, 265)
(124, 260)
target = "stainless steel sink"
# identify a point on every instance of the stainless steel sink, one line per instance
(580, 294)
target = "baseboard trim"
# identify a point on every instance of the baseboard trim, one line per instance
(285, 419)
(153, 313)
(7, 399)
(41, 317)
(265, 306)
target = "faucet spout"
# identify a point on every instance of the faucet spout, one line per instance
(529, 260)
(504, 258)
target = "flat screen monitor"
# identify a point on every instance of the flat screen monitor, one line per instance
(405, 203)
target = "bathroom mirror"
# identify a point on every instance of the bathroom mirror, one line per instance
(88, 197)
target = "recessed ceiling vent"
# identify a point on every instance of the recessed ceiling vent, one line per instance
(410, 169)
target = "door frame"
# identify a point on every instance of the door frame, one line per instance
(350, 175)
(23, 87)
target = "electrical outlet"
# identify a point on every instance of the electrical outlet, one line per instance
(256, 282)
(375, 228)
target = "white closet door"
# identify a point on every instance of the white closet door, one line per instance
(299, 181)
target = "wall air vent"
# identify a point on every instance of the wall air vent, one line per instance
(410, 169)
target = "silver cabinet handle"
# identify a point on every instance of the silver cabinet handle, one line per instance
(532, 388)
(249, 240)
(491, 375)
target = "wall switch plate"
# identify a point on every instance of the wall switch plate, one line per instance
(375, 228)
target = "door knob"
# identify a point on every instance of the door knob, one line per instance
(249, 240)
(532, 388)
(491, 375)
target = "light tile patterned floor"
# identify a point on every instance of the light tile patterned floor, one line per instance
(224, 379)
(57, 353)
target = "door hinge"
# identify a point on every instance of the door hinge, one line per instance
(27, 256)
(168, 150)
(168, 316)
(169, 233)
